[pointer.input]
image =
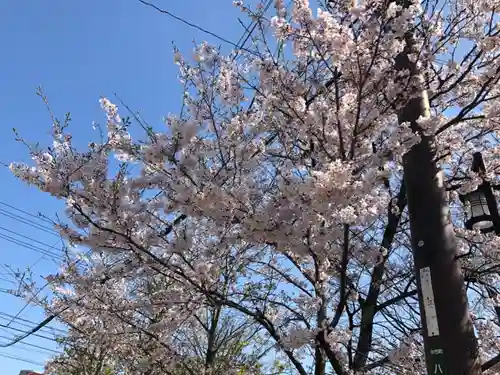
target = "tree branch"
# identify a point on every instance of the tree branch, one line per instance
(343, 276)
(401, 297)
(489, 364)
(369, 307)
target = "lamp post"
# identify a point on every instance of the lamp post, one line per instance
(482, 209)
(481, 205)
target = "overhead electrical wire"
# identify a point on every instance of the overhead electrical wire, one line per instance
(29, 222)
(28, 246)
(36, 294)
(7, 270)
(40, 325)
(26, 237)
(193, 25)
(32, 245)
(39, 217)
(8, 291)
(28, 303)
(21, 359)
(33, 346)
(43, 256)
(24, 334)
(7, 280)
(29, 323)
(31, 298)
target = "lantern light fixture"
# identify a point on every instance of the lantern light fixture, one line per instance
(480, 205)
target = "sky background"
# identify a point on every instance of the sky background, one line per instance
(78, 51)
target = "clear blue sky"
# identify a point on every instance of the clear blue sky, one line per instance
(79, 50)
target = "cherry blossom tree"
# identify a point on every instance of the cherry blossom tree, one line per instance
(276, 192)
(219, 341)
(82, 357)
(144, 332)
(212, 342)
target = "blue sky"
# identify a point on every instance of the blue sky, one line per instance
(79, 50)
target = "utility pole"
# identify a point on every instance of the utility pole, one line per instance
(449, 340)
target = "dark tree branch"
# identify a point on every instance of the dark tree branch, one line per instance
(369, 307)
(391, 301)
(343, 280)
(332, 358)
(489, 364)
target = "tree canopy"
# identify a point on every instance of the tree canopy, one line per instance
(276, 194)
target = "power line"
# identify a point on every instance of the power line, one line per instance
(28, 238)
(29, 222)
(39, 217)
(39, 326)
(6, 291)
(7, 280)
(20, 359)
(197, 27)
(9, 272)
(28, 246)
(43, 256)
(24, 322)
(33, 346)
(29, 333)
(35, 295)
(27, 303)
